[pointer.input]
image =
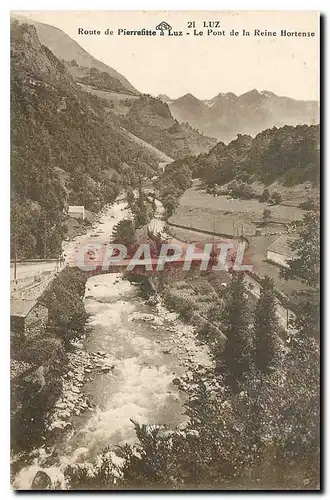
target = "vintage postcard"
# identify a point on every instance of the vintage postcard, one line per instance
(165, 245)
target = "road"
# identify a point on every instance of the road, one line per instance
(157, 224)
(30, 269)
(96, 238)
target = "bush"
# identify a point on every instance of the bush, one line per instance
(265, 197)
(241, 190)
(276, 198)
(38, 351)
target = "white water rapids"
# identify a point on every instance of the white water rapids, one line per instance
(149, 347)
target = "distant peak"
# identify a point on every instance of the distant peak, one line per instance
(228, 95)
(188, 96)
(250, 93)
(267, 93)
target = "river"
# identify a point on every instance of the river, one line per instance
(148, 346)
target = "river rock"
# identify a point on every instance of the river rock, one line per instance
(143, 317)
(61, 406)
(75, 389)
(193, 433)
(101, 353)
(63, 414)
(72, 397)
(41, 481)
(106, 368)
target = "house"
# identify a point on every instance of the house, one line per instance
(28, 317)
(280, 251)
(76, 211)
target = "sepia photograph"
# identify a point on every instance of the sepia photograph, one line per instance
(165, 250)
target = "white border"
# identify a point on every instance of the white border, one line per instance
(319, 5)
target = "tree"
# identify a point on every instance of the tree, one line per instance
(236, 328)
(266, 326)
(266, 216)
(130, 197)
(123, 232)
(305, 267)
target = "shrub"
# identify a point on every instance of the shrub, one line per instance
(265, 197)
(241, 190)
(276, 198)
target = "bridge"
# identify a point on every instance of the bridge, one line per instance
(99, 260)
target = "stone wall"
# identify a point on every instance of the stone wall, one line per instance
(33, 290)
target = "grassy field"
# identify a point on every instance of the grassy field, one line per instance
(220, 214)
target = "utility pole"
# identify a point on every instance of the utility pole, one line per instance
(15, 263)
(45, 242)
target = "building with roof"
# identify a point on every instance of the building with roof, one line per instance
(27, 317)
(280, 251)
(76, 211)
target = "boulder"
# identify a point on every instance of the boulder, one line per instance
(41, 481)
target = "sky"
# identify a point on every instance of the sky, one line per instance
(201, 65)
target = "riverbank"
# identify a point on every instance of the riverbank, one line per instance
(126, 365)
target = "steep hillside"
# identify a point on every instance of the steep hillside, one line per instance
(68, 50)
(226, 115)
(65, 147)
(288, 155)
(95, 78)
(151, 119)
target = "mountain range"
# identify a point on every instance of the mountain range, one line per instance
(145, 116)
(226, 114)
(222, 117)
